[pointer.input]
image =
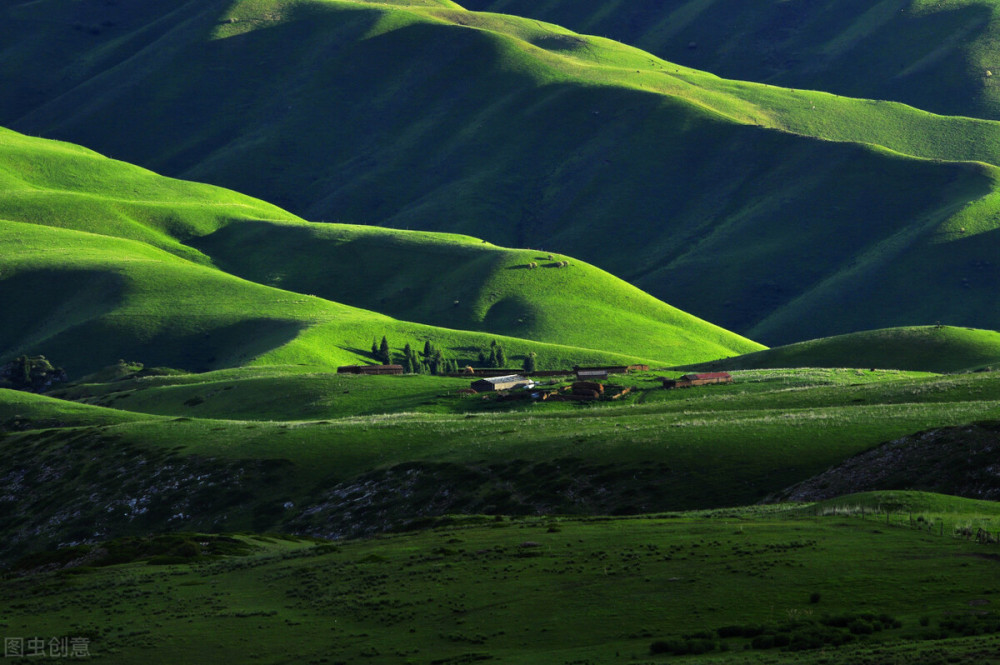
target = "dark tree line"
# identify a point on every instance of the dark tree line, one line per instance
(432, 360)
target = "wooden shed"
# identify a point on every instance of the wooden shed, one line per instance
(691, 380)
(495, 383)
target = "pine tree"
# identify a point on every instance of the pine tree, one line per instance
(482, 359)
(407, 364)
(374, 347)
(437, 362)
(501, 357)
(529, 363)
(428, 349)
(492, 361)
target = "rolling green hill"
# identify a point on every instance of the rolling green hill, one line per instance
(526, 134)
(294, 449)
(94, 250)
(925, 348)
(934, 55)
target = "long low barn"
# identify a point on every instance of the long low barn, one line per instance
(501, 383)
(689, 380)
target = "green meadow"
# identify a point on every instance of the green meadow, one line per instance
(325, 454)
(737, 585)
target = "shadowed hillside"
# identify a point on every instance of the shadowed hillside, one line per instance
(529, 135)
(938, 56)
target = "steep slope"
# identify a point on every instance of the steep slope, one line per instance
(935, 55)
(529, 135)
(93, 252)
(926, 348)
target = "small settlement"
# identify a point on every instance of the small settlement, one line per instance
(586, 387)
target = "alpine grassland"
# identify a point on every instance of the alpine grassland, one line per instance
(101, 264)
(275, 192)
(779, 214)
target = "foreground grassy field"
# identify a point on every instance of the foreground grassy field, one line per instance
(426, 116)
(541, 590)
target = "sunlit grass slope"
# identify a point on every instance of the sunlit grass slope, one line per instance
(780, 214)
(935, 55)
(926, 348)
(88, 234)
(464, 283)
(87, 300)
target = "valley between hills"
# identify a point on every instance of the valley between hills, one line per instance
(208, 208)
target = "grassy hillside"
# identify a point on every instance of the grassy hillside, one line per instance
(303, 456)
(529, 135)
(463, 283)
(530, 591)
(927, 348)
(95, 250)
(935, 55)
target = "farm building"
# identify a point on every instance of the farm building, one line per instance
(370, 369)
(689, 380)
(591, 374)
(501, 383)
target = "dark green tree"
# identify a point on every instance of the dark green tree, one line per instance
(492, 360)
(383, 355)
(374, 347)
(483, 361)
(529, 362)
(428, 349)
(501, 357)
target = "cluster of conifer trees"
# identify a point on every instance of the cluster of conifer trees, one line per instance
(433, 361)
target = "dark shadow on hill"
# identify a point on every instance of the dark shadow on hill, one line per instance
(950, 460)
(41, 304)
(195, 343)
(907, 56)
